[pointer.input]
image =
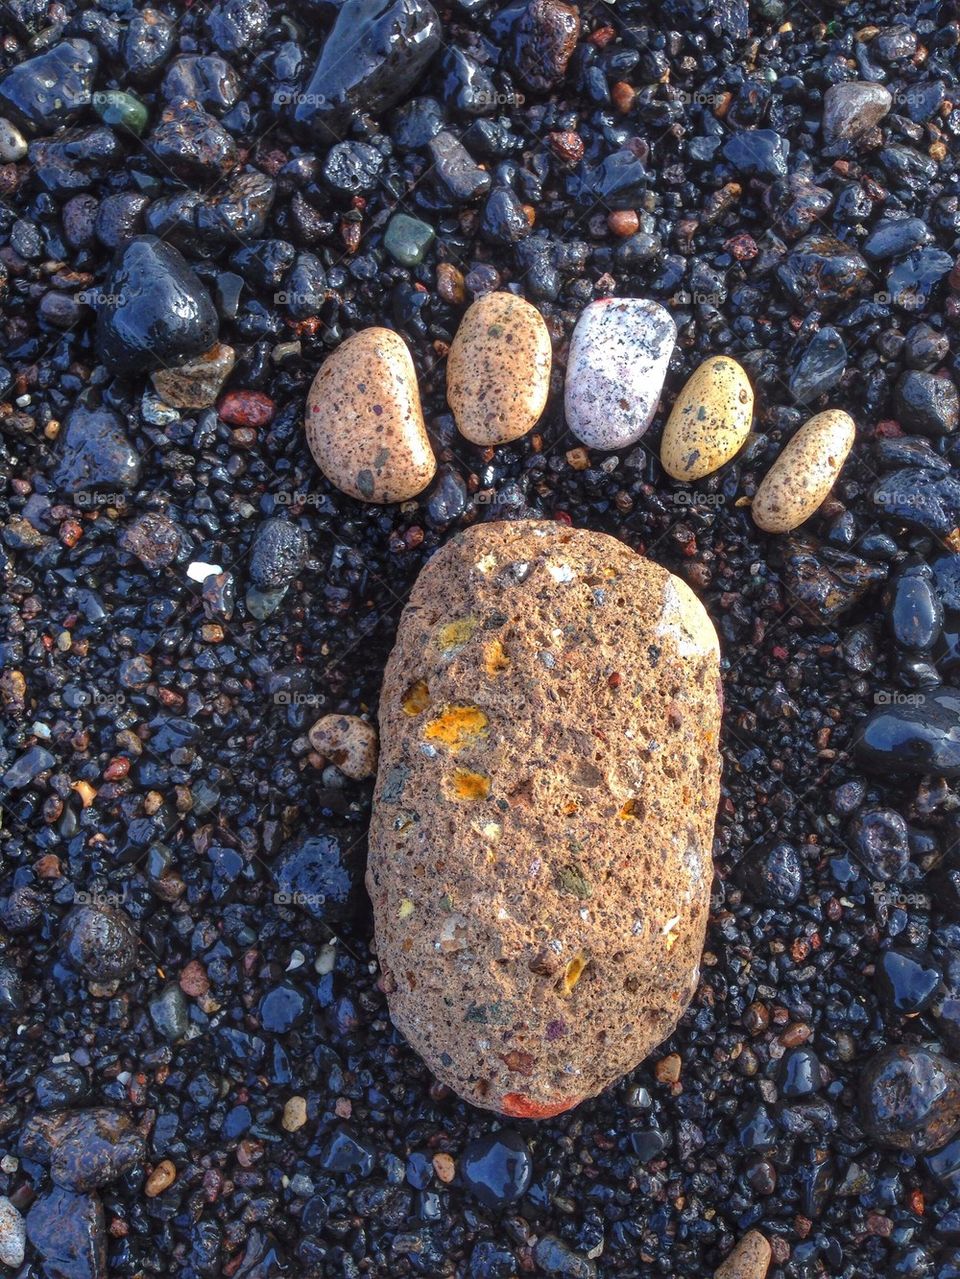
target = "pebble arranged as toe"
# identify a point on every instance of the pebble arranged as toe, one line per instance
(364, 423)
(615, 370)
(710, 420)
(498, 369)
(804, 473)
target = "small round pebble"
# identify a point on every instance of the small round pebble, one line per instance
(804, 473)
(161, 1179)
(710, 421)
(750, 1259)
(13, 1235)
(347, 741)
(364, 422)
(294, 1114)
(498, 370)
(615, 370)
(497, 1168)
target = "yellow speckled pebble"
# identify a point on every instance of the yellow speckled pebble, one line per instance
(804, 473)
(364, 422)
(498, 370)
(710, 420)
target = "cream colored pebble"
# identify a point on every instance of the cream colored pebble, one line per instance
(750, 1259)
(347, 741)
(710, 420)
(804, 473)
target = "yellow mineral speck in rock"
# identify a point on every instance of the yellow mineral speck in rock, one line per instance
(495, 660)
(486, 564)
(416, 698)
(491, 831)
(572, 973)
(468, 786)
(457, 727)
(406, 908)
(454, 635)
(631, 810)
(670, 933)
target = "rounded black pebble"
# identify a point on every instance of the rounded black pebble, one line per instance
(497, 1168)
(910, 1099)
(154, 312)
(774, 874)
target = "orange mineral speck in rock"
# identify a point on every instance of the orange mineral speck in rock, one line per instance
(417, 698)
(457, 727)
(455, 634)
(495, 660)
(518, 1106)
(631, 810)
(468, 786)
(572, 973)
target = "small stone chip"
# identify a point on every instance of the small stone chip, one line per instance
(444, 1167)
(161, 1179)
(294, 1114)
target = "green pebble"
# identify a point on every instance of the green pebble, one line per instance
(407, 239)
(119, 109)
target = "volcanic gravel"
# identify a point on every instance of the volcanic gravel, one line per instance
(198, 1076)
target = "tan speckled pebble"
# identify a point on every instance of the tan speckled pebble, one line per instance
(710, 421)
(543, 815)
(347, 741)
(804, 473)
(749, 1260)
(364, 423)
(498, 369)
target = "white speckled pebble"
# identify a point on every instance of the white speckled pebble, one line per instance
(13, 1235)
(804, 473)
(13, 145)
(615, 370)
(710, 421)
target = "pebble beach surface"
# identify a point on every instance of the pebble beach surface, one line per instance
(293, 295)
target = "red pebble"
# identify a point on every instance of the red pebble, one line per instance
(246, 408)
(517, 1106)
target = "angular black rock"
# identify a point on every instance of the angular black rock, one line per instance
(321, 874)
(920, 498)
(376, 52)
(907, 980)
(96, 454)
(48, 91)
(926, 403)
(820, 367)
(84, 1149)
(69, 1233)
(154, 312)
(821, 271)
(497, 1168)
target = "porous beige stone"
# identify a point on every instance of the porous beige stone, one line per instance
(543, 815)
(347, 741)
(364, 422)
(750, 1259)
(498, 369)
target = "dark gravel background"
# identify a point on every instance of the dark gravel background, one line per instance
(156, 778)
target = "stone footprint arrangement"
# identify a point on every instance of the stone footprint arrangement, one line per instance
(549, 768)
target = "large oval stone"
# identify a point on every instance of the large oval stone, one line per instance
(543, 815)
(498, 370)
(618, 359)
(364, 422)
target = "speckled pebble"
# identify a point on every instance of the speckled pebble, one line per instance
(543, 816)
(710, 421)
(750, 1259)
(804, 473)
(364, 422)
(498, 370)
(347, 741)
(197, 384)
(615, 370)
(13, 1235)
(13, 145)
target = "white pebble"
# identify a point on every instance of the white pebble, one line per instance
(13, 1235)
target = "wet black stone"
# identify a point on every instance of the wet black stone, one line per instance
(913, 279)
(321, 874)
(155, 312)
(554, 1257)
(278, 554)
(264, 263)
(416, 122)
(914, 608)
(100, 942)
(945, 1007)
(448, 498)
(147, 43)
(760, 153)
(375, 53)
(910, 1099)
(210, 82)
(894, 237)
(170, 1013)
(773, 874)
(917, 738)
(50, 90)
(467, 86)
(946, 579)
(69, 1233)
(800, 1073)
(345, 1151)
(880, 840)
(305, 286)
(239, 26)
(26, 767)
(618, 182)
(907, 980)
(192, 145)
(820, 271)
(539, 38)
(823, 582)
(75, 160)
(924, 347)
(919, 498)
(84, 1149)
(60, 1086)
(927, 404)
(490, 1260)
(820, 367)
(504, 220)
(11, 988)
(906, 166)
(458, 176)
(238, 212)
(281, 1008)
(96, 454)
(352, 168)
(497, 1168)
(156, 540)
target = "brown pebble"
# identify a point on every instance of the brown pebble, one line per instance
(161, 1179)
(194, 980)
(667, 1069)
(623, 96)
(623, 222)
(450, 285)
(750, 1259)
(444, 1167)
